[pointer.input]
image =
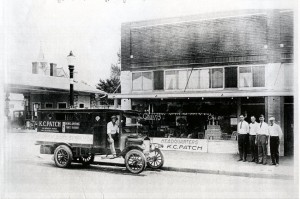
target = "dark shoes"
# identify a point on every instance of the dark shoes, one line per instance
(244, 160)
(240, 159)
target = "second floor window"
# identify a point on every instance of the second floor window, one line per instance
(142, 81)
(252, 76)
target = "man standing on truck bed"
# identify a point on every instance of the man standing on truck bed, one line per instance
(113, 134)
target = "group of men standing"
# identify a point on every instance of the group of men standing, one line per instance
(258, 134)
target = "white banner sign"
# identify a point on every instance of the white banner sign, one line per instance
(181, 144)
(65, 137)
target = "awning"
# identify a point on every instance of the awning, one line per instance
(200, 94)
(22, 82)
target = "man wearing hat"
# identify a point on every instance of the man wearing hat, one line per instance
(262, 140)
(113, 134)
(275, 135)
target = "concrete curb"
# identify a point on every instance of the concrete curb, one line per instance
(210, 171)
(229, 173)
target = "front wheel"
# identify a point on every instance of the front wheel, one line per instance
(156, 160)
(135, 161)
(63, 156)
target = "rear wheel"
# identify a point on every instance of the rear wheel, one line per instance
(87, 160)
(63, 156)
(135, 161)
(156, 159)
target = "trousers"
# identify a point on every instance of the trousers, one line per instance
(274, 149)
(242, 142)
(262, 148)
(115, 137)
(253, 147)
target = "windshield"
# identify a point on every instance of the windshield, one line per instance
(131, 123)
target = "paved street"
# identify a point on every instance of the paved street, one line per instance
(28, 175)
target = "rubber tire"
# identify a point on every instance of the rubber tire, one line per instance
(69, 156)
(87, 163)
(161, 163)
(139, 153)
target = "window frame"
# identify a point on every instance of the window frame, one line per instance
(251, 88)
(142, 90)
(163, 74)
(49, 103)
(62, 103)
(237, 76)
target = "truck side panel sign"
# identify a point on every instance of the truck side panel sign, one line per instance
(58, 126)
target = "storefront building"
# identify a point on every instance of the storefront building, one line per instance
(192, 76)
(46, 87)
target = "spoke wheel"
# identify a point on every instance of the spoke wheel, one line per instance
(135, 161)
(62, 156)
(87, 160)
(156, 159)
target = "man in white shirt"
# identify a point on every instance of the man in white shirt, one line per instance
(243, 130)
(113, 134)
(252, 139)
(275, 136)
(262, 140)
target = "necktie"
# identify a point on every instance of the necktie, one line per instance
(241, 125)
(260, 125)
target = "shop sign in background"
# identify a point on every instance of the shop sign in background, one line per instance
(181, 144)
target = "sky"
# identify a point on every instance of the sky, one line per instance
(92, 28)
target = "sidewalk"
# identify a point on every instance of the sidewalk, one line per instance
(194, 162)
(226, 164)
(222, 164)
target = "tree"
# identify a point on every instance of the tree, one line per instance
(112, 84)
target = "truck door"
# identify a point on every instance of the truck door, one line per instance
(98, 121)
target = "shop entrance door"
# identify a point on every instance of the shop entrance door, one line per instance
(288, 129)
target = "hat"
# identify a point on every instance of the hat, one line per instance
(113, 117)
(272, 118)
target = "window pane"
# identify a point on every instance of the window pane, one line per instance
(194, 79)
(147, 80)
(217, 77)
(245, 77)
(231, 77)
(136, 81)
(258, 76)
(48, 105)
(182, 79)
(62, 105)
(171, 80)
(288, 75)
(204, 78)
(158, 80)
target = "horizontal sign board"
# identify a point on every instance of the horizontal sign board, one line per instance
(58, 126)
(181, 144)
(65, 137)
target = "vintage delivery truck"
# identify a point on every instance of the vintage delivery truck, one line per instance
(78, 135)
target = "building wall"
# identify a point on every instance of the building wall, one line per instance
(49, 98)
(243, 39)
(58, 98)
(261, 37)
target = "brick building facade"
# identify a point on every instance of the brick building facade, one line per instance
(219, 64)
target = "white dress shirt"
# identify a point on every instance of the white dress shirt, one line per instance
(243, 127)
(275, 130)
(253, 128)
(112, 129)
(263, 129)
